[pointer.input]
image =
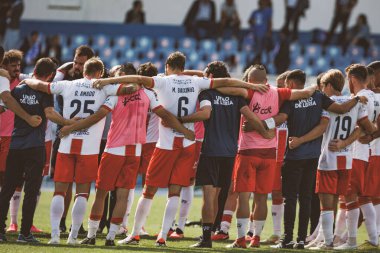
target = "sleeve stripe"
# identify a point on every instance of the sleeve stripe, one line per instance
(152, 83)
(156, 108)
(119, 89)
(325, 117)
(363, 118)
(107, 108)
(211, 83)
(49, 90)
(59, 70)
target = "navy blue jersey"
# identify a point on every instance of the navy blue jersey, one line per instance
(222, 128)
(33, 102)
(303, 116)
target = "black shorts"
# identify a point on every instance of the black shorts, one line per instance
(215, 171)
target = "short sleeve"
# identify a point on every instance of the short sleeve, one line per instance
(59, 76)
(363, 112)
(47, 100)
(284, 94)
(4, 84)
(325, 114)
(58, 87)
(241, 102)
(112, 90)
(159, 82)
(286, 108)
(204, 99)
(24, 76)
(203, 82)
(154, 103)
(326, 101)
(110, 102)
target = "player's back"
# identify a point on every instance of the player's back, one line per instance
(340, 127)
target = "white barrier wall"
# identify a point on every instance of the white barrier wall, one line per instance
(172, 12)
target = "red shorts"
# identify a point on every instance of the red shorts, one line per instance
(5, 142)
(146, 156)
(48, 145)
(198, 148)
(334, 182)
(81, 169)
(254, 174)
(117, 171)
(171, 167)
(359, 168)
(372, 178)
(277, 185)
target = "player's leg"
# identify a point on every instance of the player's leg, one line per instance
(67, 201)
(14, 207)
(340, 222)
(369, 215)
(376, 204)
(228, 212)
(242, 219)
(124, 224)
(187, 195)
(56, 210)
(96, 213)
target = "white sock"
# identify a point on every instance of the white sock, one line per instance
(56, 211)
(225, 225)
(320, 236)
(315, 233)
(77, 215)
(377, 210)
(131, 197)
(187, 195)
(242, 224)
(340, 223)
(352, 217)
(142, 211)
(114, 228)
(93, 226)
(369, 215)
(169, 215)
(258, 225)
(14, 206)
(251, 226)
(327, 218)
(277, 213)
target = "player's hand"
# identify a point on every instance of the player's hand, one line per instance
(365, 139)
(262, 88)
(130, 88)
(65, 131)
(247, 126)
(164, 123)
(5, 74)
(190, 135)
(98, 84)
(363, 99)
(336, 145)
(34, 120)
(269, 134)
(72, 121)
(294, 142)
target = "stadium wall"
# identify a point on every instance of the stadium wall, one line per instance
(172, 12)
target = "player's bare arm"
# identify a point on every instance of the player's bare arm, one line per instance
(127, 89)
(270, 123)
(256, 124)
(84, 123)
(337, 144)
(172, 122)
(346, 106)
(304, 93)
(11, 103)
(202, 114)
(189, 72)
(236, 83)
(36, 84)
(234, 91)
(369, 129)
(316, 132)
(148, 82)
(57, 118)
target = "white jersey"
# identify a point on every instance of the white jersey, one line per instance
(4, 86)
(178, 94)
(282, 139)
(81, 100)
(152, 132)
(375, 144)
(49, 135)
(361, 151)
(340, 127)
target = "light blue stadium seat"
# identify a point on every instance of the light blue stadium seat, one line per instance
(106, 54)
(67, 53)
(122, 42)
(62, 39)
(130, 55)
(230, 46)
(207, 46)
(165, 43)
(333, 51)
(355, 52)
(78, 40)
(187, 44)
(295, 49)
(100, 41)
(144, 43)
(313, 51)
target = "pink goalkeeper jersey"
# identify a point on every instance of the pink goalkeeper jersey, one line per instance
(129, 116)
(8, 117)
(264, 106)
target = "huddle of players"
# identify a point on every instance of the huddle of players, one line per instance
(256, 168)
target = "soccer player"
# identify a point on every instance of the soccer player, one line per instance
(334, 168)
(69, 71)
(256, 157)
(299, 169)
(26, 157)
(218, 153)
(78, 153)
(173, 159)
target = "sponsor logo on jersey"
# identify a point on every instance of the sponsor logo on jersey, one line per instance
(259, 110)
(222, 101)
(183, 90)
(29, 100)
(304, 103)
(84, 93)
(135, 97)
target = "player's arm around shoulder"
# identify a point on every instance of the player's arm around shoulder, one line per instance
(36, 84)
(303, 94)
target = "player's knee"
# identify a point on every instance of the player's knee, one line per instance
(149, 192)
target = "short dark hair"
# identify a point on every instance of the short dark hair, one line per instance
(218, 69)
(136, 3)
(85, 51)
(12, 56)
(370, 71)
(176, 60)
(147, 69)
(128, 69)
(298, 76)
(375, 65)
(283, 75)
(359, 71)
(45, 67)
(335, 78)
(319, 78)
(93, 65)
(2, 52)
